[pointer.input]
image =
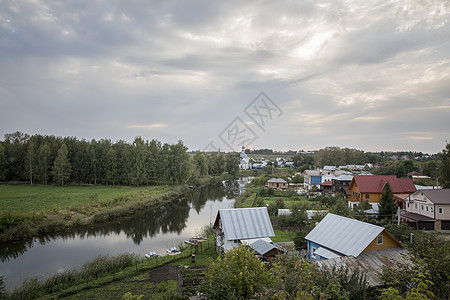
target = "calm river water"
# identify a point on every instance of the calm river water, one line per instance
(152, 230)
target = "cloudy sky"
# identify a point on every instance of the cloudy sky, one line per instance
(371, 75)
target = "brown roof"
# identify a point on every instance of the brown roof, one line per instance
(327, 183)
(415, 217)
(438, 196)
(375, 184)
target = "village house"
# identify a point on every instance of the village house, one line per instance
(336, 236)
(428, 209)
(371, 187)
(277, 184)
(341, 183)
(244, 226)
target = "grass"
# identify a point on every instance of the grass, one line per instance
(283, 236)
(42, 198)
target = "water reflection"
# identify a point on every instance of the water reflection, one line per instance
(168, 218)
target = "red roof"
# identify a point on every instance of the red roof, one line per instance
(375, 184)
(327, 183)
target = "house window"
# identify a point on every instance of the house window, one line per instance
(407, 204)
(313, 252)
(441, 210)
(421, 207)
(379, 240)
(367, 196)
(426, 208)
(431, 209)
(415, 206)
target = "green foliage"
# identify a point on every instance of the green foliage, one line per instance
(445, 166)
(61, 167)
(429, 270)
(129, 296)
(236, 274)
(387, 206)
(341, 207)
(2, 287)
(299, 240)
(297, 179)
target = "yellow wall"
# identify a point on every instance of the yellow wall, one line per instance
(388, 242)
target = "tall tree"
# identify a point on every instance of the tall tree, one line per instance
(111, 166)
(61, 167)
(232, 163)
(445, 166)
(387, 206)
(201, 163)
(2, 163)
(29, 160)
(139, 159)
(43, 156)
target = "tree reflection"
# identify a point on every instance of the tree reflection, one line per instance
(168, 218)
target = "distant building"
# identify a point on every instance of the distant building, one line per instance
(244, 163)
(277, 184)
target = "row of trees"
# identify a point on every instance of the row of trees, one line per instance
(45, 159)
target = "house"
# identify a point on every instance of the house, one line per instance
(277, 184)
(235, 227)
(428, 209)
(336, 236)
(312, 178)
(325, 187)
(329, 168)
(371, 187)
(340, 183)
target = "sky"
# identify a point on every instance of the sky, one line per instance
(299, 75)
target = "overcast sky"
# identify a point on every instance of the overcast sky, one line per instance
(371, 75)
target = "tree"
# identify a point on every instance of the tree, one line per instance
(237, 274)
(232, 163)
(387, 206)
(111, 166)
(201, 163)
(61, 167)
(2, 163)
(341, 207)
(44, 153)
(139, 158)
(445, 166)
(29, 160)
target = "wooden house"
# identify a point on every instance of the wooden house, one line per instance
(336, 236)
(371, 187)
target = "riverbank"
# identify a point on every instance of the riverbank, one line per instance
(31, 211)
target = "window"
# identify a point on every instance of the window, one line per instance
(415, 205)
(367, 196)
(421, 207)
(426, 208)
(379, 240)
(407, 204)
(313, 252)
(441, 210)
(431, 209)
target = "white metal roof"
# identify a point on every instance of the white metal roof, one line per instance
(246, 223)
(344, 235)
(324, 252)
(262, 247)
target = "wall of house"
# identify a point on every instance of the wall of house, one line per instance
(421, 205)
(388, 242)
(310, 248)
(446, 212)
(316, 180)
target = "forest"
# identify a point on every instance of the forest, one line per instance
(48, 159)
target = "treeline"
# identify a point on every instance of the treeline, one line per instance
(50, 159)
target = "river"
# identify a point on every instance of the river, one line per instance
(151, 230)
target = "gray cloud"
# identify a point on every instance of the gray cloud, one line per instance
(348, 73)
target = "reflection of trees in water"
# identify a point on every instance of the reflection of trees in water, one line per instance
(167, 218)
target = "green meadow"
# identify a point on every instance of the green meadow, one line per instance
(42, 198)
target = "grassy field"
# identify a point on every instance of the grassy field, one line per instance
(37, 198)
